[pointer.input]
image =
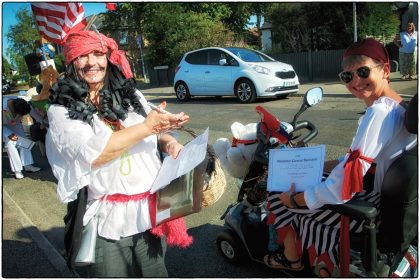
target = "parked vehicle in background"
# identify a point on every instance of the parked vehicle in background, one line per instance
(244, 73)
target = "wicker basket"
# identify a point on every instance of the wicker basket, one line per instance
(214, 177)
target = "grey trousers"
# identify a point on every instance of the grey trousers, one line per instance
(140, 255)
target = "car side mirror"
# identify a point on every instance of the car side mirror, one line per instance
(222, 62)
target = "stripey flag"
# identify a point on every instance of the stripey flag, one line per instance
(111, 6)
(56, 20)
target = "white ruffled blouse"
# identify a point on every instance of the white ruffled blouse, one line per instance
(72, 146)
(382, 136)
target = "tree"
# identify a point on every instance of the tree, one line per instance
(6, 68)
(59, 62)
(172, 31)
(127, 21)
(259, 10)
(289, 27)
(24, 39)
(234, 16)
(299, 26)
(379, 20)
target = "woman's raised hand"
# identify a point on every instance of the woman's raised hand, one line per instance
(160, 122)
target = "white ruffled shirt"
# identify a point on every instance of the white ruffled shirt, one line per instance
(72, 146)
(382, 136)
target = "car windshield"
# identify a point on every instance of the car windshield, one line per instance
(250, 55)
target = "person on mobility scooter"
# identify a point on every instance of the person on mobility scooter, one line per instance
(306, 221)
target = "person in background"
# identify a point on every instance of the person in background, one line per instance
(407, 43)
(45, 50)
(380, 138)
(103, 136)
(20, 156)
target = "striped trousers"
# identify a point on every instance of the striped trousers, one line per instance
(317, 231)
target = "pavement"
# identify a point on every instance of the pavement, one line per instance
(32, 226)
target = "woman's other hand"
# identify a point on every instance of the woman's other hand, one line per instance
(173, 148)
(285, 197)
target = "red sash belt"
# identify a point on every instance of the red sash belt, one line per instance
(236, 141)
(353, 182)
(124, 198)
(175, 230)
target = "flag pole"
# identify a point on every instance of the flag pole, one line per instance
(91, 20)
(43, 51)
(41, 40)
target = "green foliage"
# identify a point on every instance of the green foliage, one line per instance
(171, 31)
(302, 26)
(23, 37)
(60, 63)
(289, 27)
(323, 26)
(217, 11)
(379, 21)
(6, 68)
(24, 34)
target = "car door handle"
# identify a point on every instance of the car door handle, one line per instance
(186, 71)
(207, 72)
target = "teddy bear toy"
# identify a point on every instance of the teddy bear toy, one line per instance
(236, 156)
(47, 78)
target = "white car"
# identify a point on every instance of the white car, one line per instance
(244, 73)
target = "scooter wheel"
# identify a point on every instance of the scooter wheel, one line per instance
(231, 247)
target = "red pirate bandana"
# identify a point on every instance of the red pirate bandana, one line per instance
(368, 47)
(87, 41)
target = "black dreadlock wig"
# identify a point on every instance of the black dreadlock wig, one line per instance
(115, 97)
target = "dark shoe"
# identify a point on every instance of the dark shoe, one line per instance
(279, 261)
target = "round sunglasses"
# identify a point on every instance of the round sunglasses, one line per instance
(363, 72)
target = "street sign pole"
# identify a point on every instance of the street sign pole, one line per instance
(354, 22)
(139, 43)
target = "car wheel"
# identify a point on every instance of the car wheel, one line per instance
(182, 92)
(231, 247)
(245, 91)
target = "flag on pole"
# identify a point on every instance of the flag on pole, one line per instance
(111, 6)
(56, 20)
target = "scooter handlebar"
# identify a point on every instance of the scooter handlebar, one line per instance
(313, 132)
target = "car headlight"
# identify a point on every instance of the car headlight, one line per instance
(260, 69)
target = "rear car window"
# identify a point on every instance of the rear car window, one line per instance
(199, 57)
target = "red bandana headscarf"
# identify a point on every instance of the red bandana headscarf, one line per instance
(368, 47)
(86, 41)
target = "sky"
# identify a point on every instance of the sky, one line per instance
(9, 10)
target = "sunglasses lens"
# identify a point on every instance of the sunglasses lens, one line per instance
(363, 72)
(346, 76)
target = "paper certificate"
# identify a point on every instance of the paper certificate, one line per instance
(302, 166)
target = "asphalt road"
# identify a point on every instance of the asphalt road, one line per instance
(33, 216)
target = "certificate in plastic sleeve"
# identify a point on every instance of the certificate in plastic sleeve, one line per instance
(302, 166)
